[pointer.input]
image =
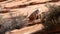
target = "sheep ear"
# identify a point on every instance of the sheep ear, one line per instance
(48, 5)
(33, 15)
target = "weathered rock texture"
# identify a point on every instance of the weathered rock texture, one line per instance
(24, 7)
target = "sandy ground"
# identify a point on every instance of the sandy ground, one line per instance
(27, 30)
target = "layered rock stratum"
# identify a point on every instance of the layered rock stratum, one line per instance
(22, 7)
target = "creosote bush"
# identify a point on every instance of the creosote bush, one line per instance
(8, 24)
(50, 20)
